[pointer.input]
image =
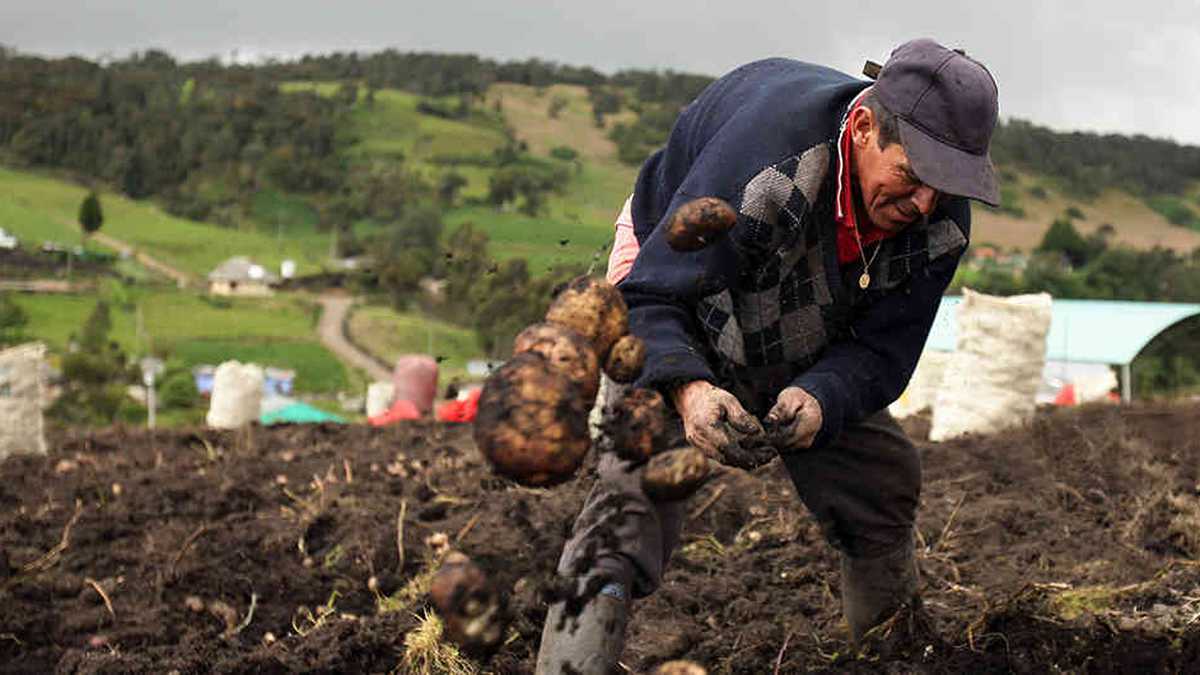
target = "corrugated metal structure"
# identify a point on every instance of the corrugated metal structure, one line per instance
(1086, 331)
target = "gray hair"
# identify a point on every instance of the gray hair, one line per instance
(885, 120)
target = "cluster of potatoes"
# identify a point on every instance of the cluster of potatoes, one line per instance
(532, 423)
(532, 420)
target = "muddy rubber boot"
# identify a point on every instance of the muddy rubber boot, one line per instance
(874, 588)
(589, 644)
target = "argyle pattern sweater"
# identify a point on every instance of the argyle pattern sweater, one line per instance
(769, 306)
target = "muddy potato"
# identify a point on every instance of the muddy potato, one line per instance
(699, 223)
(532, 422)
(625, 359)
(639, 425)
(469, 604)
(593, 308)
(680, 668)
(566, 350)
(675, 474)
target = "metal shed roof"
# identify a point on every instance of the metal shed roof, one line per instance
(1083, 331)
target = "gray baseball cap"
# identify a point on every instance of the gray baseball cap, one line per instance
(946, 105)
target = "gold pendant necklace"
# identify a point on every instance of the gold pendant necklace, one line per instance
(864, 280)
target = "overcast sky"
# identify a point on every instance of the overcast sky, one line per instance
(1128, 67)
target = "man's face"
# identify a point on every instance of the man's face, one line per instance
(889, 192)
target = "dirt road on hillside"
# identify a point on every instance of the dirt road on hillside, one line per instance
(175, 274)
(334, 309)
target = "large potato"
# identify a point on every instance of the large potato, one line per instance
(675, 474)
(532, 422)
(625, 359)
(469, 604)
(593, 308)
(566, 350)
(639, 425)
(699, 223)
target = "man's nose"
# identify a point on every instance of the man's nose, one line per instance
(925, 198)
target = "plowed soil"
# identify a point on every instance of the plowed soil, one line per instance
(1069, 545)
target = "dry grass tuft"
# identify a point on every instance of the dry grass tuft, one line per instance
(425, 653)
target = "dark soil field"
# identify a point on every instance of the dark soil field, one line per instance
(1070, 545)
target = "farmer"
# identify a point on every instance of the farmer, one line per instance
(799, 327)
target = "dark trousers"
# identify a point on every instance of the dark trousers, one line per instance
(863, 489)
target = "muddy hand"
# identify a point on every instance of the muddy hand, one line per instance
(795, 420)
(715, 423)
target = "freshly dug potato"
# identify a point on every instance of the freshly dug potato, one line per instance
(699, 223)
(593, 308)
(625, 359)
(469, 604)
(566, 350)
(675, 474)
(532, 422)
(639, 425)
(680, 668)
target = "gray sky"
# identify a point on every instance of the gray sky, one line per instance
(1128, 67)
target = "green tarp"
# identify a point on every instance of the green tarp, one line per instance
(299, 413)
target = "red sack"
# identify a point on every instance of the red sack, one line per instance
(460, 411)
(400, 410)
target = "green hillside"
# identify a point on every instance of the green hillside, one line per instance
(193, 329)
(37, 208)
(392, 129)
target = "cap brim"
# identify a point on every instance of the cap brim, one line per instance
(948, 169)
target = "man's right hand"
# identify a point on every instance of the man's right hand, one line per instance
(715, 423)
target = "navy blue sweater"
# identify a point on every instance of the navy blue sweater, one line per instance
(769, 306)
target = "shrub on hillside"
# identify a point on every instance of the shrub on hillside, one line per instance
(12, 321)
(564, 153)
(1175, 210)
(178, 390)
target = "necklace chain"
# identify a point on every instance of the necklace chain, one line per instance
(865, 279)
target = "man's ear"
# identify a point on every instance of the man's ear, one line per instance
(862, 126)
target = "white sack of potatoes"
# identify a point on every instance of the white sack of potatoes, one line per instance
(992, 379)
(21, 425)
(924, 385)
(236, 395)
(379, 397)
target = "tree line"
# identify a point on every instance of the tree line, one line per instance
(150, 127)
(1087, 162)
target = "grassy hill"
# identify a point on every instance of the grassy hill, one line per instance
(393, 128)
(195, 329)
(38, 207)
(1136, 224)
(389, 334)
(584, 214)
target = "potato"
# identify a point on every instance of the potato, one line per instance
(532, 422)
(699, 223)
(566, 350)
(639, 425)
(469, 604)
(593, 308)
(675, 474)
(680, 668)
(625, 359)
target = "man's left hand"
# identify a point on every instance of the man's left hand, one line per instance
(795, 420)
